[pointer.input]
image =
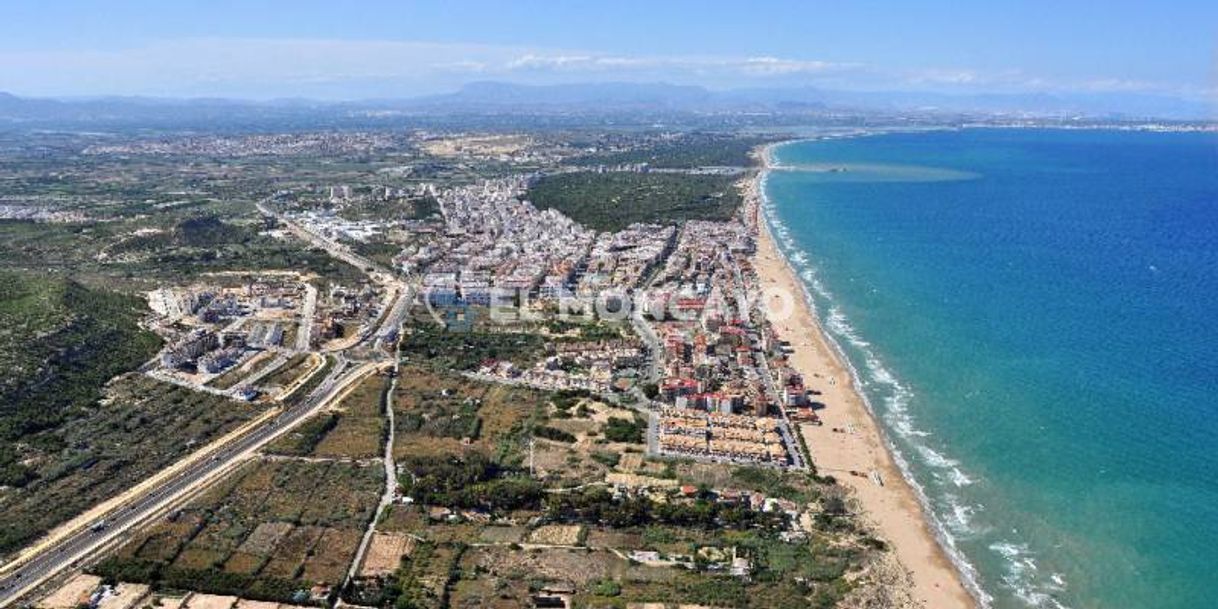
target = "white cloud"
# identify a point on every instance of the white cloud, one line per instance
(252, 67)
(749, 66)
(768, 66)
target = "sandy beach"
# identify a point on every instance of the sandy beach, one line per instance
(850, 440)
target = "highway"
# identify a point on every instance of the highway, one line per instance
(78, 547)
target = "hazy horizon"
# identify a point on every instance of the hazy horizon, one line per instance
(382, 50)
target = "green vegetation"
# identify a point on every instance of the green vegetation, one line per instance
(302, 440)
(290, 370)
(613, 201)
(168, 248)
(441, 414)
(59, 343)
(455, 350)
(585, 331)
(625, 430)
(597, 505)
(550, 433)
(355, 431)
(474, 481)
(144, 426)
(688, 151)
(315, 379)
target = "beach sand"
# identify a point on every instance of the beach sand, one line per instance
(892, 510)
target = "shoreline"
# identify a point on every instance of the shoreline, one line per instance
(892, 509)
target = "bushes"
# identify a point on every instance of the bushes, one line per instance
(775, 483)
(61, 342)
(625, 430)
(607, 459)
(607, 587)
(212, 581)
(450, 350)
(597, 506)
(557, 435)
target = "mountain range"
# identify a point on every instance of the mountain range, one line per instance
(606, 97)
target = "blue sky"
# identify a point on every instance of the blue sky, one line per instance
(385, 49)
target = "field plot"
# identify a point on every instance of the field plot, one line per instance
(360, 428)
(576, 566)
(288, 374)
(557, 534)
(385, 553)
(272, 530)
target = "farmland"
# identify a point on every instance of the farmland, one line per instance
(441, 414)
(479, 531)
(276, 530)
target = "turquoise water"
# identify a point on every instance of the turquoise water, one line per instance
(1034, 316)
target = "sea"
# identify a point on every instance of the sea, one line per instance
(1032, 316)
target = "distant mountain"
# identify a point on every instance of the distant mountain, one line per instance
(498, 98)
(609, 94)
(655, 96)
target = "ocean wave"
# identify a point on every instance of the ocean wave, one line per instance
(1022, 579)
(960, 516)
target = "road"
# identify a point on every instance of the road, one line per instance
(786, 430)
(645, 332)
(391, 478)
(71, 550)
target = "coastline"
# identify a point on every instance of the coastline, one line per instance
(892, 509)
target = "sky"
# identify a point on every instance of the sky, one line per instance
(382, 49)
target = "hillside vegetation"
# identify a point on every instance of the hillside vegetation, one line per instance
(59, 343)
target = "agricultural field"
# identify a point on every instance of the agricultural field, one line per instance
(586, 516)
(599, 548)
(276, 530)
(444, 414)
(109, 447)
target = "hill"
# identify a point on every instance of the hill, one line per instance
(60, 342)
